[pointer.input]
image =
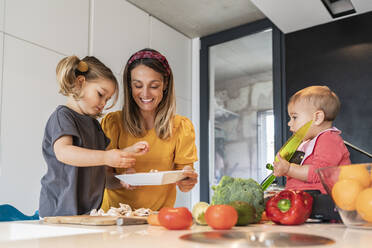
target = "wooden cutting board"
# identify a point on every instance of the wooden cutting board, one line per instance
(96, 220)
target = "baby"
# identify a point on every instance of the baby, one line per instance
(323, 145)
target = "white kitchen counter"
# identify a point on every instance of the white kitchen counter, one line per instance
(35, 234)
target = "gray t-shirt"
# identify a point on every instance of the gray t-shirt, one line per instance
(66, 189)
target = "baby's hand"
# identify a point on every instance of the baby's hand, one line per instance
(281, 167)
(119, 158)
(138, 149)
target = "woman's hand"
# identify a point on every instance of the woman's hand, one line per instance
(114, 183)
(124, 184)
(281, 167)
(186, 184)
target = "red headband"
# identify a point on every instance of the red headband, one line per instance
(150, 55)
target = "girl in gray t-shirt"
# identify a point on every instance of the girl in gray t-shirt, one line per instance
(74, 143)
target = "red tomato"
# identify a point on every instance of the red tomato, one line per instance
(221, 216)
(175, 218)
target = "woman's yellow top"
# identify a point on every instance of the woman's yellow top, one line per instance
(172, 154)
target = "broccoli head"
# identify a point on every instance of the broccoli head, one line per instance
(238, 189)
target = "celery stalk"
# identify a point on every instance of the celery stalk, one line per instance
(287, 151)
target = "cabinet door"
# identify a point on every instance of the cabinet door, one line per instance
(177, 48)
(2, 13)
(61, 26)
(30, 95)
(119, 30)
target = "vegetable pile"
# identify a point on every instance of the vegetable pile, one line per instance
(238, 189)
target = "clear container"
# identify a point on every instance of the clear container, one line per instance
(352, 201)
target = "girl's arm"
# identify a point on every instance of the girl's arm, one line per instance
(70, 154)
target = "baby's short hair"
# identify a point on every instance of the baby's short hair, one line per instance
(322, 98)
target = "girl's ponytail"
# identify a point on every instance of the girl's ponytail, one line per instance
(70, 68)
(66, 76)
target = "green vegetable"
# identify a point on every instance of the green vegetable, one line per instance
(287, 151)
(198, 212)
(238, 189)
(246, 212)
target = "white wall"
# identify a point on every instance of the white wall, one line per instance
(34, 36)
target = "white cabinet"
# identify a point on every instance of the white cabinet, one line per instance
(30, 95)
(2, 12)
(1, 83)
(119, 30)
(177, 48)
(62, 26)
(183, 107)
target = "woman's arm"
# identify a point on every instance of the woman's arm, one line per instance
(70, 154)
(185, 185)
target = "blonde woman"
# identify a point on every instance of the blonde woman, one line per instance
(149, 115)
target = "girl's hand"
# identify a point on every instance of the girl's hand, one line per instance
(186, 184)
(119, 158)
(138, 149)
(281, 167)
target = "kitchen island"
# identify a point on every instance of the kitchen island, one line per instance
(35, 234)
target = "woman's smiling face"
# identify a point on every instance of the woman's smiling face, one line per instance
(147, 88)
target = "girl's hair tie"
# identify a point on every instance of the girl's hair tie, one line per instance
(82, 66)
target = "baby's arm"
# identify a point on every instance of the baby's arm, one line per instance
(284, 168)
(329, 151)
(70, 154)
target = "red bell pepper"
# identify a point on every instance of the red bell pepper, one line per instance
(289, 207)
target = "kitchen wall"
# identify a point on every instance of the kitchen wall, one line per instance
(34, 36)
(339, 55)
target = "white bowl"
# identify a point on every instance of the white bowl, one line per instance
(152, 178)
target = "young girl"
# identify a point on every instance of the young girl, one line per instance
(323, 145)
(74, 143)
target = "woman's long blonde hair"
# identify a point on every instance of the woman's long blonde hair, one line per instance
(132, 118)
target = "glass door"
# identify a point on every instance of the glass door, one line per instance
(241, 119)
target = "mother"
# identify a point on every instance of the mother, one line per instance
(149, 114)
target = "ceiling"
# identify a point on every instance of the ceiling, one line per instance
(250, 56)
(198, 18)
(293, 15)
